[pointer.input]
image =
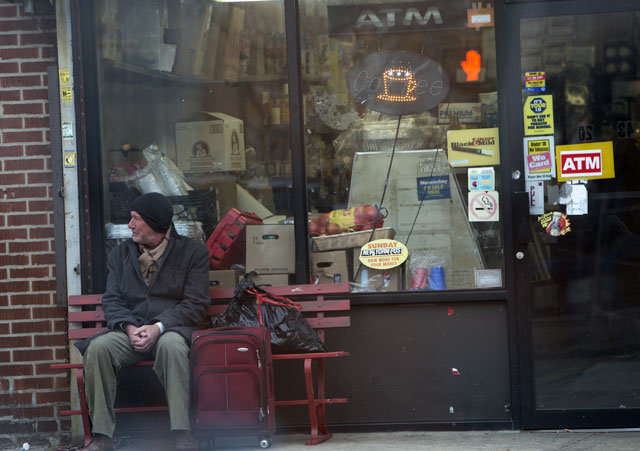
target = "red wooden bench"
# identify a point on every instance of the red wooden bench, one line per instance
(86, 319)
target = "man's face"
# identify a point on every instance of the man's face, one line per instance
(141, 232)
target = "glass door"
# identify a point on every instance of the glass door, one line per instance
(577, 135)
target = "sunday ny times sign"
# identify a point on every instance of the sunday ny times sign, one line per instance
(395, 18)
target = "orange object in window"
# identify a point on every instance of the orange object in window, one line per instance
(472, 65)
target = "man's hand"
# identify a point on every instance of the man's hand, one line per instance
(144, 338)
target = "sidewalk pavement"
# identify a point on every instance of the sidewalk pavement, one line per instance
(576, 440)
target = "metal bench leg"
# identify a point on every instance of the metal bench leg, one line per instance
(316, 435)
(322, 423)
(86, 424)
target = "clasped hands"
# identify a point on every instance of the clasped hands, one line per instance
(143, 338)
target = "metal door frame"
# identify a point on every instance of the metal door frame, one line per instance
(510, 109)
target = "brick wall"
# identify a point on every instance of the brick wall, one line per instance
(32, 328)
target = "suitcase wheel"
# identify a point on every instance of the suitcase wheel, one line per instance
(205, 444)
(264, 442)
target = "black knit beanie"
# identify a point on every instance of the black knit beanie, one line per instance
(155, 209)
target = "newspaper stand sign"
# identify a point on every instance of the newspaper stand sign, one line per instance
(483, 206)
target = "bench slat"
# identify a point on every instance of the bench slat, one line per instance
(316, 323)
(85, 299)
(291, 290)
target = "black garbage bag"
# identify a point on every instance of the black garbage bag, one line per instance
(290, 331)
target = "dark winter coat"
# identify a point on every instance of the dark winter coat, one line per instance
(178, 295)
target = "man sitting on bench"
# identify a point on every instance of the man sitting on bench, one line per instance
(157, 294)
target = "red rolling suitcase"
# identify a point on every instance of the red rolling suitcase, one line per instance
(232, 384)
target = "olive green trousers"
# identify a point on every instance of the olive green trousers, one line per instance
(110, 352)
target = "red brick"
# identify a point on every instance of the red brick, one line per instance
(8, 11)
(30, 326)
(29, 273)
(4, 274)
(23, 108)
(4, 327)
(16, 399)
(12, 234)
(27, 192)
(19, 53)
(34, 67)
(62, 381)
(37, 122)
(33, 412)
(24, 25)
(28, 246)
(33, 383)
(5, 357)
(9, 68)
(46, 285)
(11, 151)
(32, 355)
(30, 219)
(41, 232)
(43, 259)
(24, 164)
(10, 179)
(48, 52)
(41, 205)
(35, 94)
(4, 384)
(11, 122)
(31, 299)
(47, 426)
(14, 260)
(59, 326)
(38, 38)
(15, 342)
(14, 287)
(38, 149)
(43, 368)
(50, 340)
(16, 370)
(51, 397)
(61, 354)
(13, 207)
(14, 314)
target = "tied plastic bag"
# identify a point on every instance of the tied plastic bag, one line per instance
(251, 306)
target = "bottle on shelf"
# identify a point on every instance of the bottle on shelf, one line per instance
(284, 104)
(266, 109)
(276, 111)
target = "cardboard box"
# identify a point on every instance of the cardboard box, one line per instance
(272, 280)
(212, 145)
(224, 278)
(325, 265)
(378, 280)
(270, 249)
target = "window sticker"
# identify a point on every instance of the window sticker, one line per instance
(538, 115)
(539, 158)
(585, 161)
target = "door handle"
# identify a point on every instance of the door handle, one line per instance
(521, 204)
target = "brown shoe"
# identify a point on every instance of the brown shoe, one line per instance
(185, 441)
(100, 442)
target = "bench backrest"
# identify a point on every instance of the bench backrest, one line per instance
(319, 312)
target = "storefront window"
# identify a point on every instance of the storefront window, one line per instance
(400, 112)
(401, 138)
(194, 104)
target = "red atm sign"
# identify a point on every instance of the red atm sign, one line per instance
(585, 161)
(576, 163)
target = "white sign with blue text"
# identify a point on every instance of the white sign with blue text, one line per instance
(482, 179)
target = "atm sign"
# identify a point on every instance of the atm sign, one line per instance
(581, 164)
(585, 161)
